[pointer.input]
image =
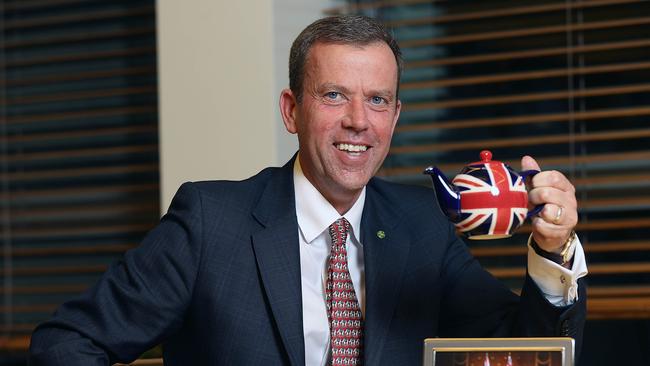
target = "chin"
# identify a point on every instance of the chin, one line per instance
(355, 182)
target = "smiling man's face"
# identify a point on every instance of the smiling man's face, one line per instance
(346, 118)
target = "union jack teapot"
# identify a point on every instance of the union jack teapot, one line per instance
(487, 200)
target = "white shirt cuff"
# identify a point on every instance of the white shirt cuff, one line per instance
(558, 284)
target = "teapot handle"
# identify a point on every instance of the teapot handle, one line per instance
(537, 209)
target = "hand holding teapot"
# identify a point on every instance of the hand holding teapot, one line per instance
(555, 222)
(489, 200)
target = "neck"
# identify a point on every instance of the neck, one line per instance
(342, 204)
(341, 200)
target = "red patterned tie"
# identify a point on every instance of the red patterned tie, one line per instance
(343, 310)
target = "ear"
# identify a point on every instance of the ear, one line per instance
(288, 104)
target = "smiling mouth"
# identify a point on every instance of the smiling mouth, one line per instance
(353, 149)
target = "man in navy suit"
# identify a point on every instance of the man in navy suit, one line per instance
(235, 272)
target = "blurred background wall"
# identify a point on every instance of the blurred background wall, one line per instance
(221, 68)
(106, 107)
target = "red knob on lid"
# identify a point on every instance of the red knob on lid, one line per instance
(486, 156)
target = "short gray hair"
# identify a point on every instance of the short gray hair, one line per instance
(357, 30)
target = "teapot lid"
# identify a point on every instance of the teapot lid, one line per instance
(486, 157)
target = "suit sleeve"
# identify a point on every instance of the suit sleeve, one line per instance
(137, 303)
(476, 304)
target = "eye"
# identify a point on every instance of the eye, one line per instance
(378, 100)
(333, 95)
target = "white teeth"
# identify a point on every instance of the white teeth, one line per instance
(352, 148)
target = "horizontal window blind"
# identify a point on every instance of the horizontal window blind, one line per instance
(79, 149)
(567, 82)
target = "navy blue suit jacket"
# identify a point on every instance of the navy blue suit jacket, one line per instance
(218, 283)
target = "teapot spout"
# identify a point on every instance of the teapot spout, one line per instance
(446, 192)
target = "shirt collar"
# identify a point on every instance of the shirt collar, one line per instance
(315, 213)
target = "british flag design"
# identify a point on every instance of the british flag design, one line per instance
(499, 201)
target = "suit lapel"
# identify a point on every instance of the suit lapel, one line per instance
(278, 258)
(385, 253)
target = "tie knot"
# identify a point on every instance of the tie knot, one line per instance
(339, 231)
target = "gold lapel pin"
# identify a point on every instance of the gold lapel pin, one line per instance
(381, 234)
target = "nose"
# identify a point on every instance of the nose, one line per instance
(357, 116)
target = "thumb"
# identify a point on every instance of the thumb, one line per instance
(528, 163)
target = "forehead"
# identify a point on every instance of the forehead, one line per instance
(372, 64)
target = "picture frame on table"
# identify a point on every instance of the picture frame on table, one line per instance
(555, 351)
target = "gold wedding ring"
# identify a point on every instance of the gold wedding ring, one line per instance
(558, 215)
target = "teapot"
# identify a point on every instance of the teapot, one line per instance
(487, 200)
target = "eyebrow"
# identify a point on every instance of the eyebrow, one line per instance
(332, 86)
(385, 94)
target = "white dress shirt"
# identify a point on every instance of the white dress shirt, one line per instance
(558, 284)
(315, 214)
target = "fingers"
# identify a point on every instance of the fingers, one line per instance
(560, 207)
(554, 179)
(553, 226)
(559, 197)
(552, 189)
(549, 236)
(528, 163)
(558, 216)
(550, 178)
